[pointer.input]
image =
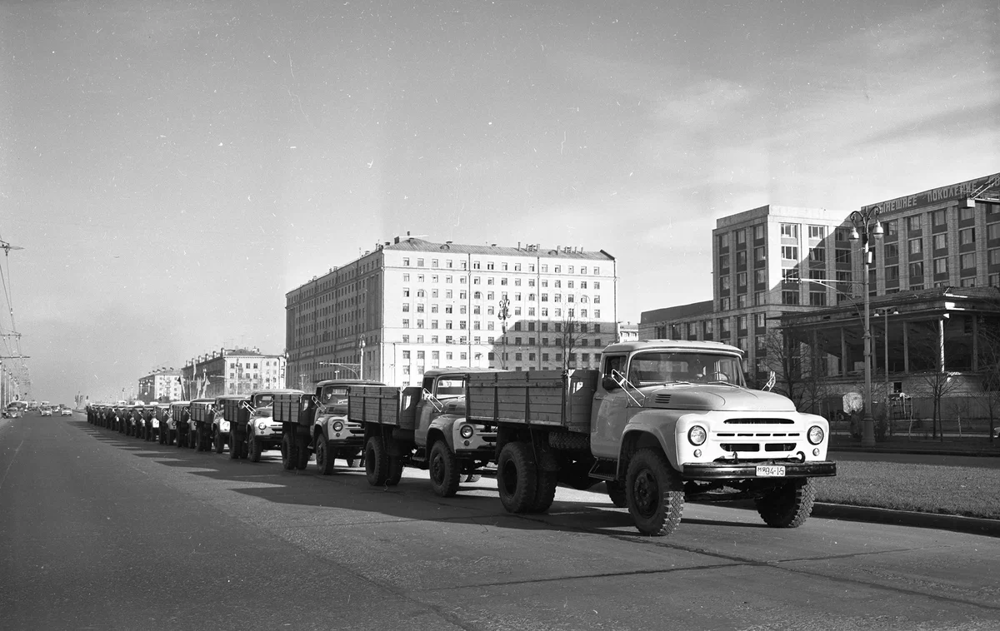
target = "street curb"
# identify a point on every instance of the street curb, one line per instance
(917, 451)
(953, 523)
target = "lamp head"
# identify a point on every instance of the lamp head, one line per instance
(854, 236)
(878, 232)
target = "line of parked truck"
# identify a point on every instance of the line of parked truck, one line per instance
(661, 422)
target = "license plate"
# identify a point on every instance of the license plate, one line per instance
(770, 471)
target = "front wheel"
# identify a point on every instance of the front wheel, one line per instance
(376, 462)
(217, 442)
(234, 448)
(324, 457)
(654, 492)
(444, 470)
(517, 478)
(288, 452)
(788, 505)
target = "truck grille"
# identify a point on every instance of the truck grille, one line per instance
(758, 421)
(754, 447)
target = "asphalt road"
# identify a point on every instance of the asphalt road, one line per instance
(100, 531)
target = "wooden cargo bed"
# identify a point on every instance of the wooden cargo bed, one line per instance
(534, 397)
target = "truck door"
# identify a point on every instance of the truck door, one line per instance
(608, 414)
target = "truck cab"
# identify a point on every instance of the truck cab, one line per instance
(201, 423)
(440, 416)
(264, 432)
(333, 434)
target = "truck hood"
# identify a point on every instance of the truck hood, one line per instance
(714, 397)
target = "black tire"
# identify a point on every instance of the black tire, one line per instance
(616, 491)
(254, 448)
(301, 460)
(545, 486)
(234, 449)
(788, 505)
(376, 462)
(217, 442)
(395, 471)
(444, 469)
(654, 492)
(244, 449)
(181, 439)
(324, 457)
(517, 478)
(288, 452)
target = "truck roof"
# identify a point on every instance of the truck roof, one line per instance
(434, 372)
(701, 345)
(348, 382)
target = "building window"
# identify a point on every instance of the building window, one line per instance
(940, 241)
(842, 255)
(817, 298)
(913, 223)
(817, 232)
(993, 257)
(967, 236)
(941, 266)
(938, 216)
(789, 297)
(915, 246)
(817, 254)
(724, 260)
(891, 251)
(968, 261)
(790, 252)
(917, 269)
(892, 227)
(892, 273)
(790, 230)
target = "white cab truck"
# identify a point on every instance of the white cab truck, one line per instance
(263, 431)
(661, 421)
(424, 427)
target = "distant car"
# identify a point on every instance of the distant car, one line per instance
(65, 411)
(45, 410)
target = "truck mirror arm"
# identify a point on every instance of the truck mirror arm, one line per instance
(625, 384)
(433, 400)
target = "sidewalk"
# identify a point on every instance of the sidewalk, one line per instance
(949, 446)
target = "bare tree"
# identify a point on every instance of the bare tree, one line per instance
(937, 382)
(798, 369)
(989, 363)
(569, 333)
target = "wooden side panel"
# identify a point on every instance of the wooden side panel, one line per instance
(374, 404)
(287, 408)
(535, 397)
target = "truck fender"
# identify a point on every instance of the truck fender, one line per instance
(442, 426)
(648, 428)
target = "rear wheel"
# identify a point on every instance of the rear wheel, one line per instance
(376, 462)
(288, 452)
(654, 492)
(234, 449)
(545, 487)
(517, 478)
(395, 471)
(255, 448)
(444, 470)
(787, 505)
(324, 457)
(301, 459)
(217, 442)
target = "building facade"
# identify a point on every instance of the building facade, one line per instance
(412, 305)
(232, 371)
(161, 385)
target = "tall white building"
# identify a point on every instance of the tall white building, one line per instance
(412, 305)
(160, 385)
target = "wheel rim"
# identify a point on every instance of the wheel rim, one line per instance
(437, 468)
(646, 493)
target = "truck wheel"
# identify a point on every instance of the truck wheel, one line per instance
(395, 471)
(788, 505)
(545, 487)
(234, 448)
(654, 492)
(288, 452)
(376, 462)
(255, 448)
(217, 442)
(244, 449)
(517, 478)
(301, 459)
(181, 440)
(324, 457)
(616, 491)
(444, 470)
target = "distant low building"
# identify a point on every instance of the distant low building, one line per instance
(232, 371)
(160, 385)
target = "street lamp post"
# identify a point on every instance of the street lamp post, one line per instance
(886, 312)
(361, 348)
(866, 221)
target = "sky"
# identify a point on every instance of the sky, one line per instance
(171, 169)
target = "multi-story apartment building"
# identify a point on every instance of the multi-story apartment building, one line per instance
(766, 261)
(232, 371)
(411, 305)
(160, 385)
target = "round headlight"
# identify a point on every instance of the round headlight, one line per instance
(338, 426)
(156, 423)
(261, 425)
(223, 426)
(815, 434)
(697, 435)
(466, 431)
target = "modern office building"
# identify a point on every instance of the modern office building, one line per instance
(766, 261)
(930, 276)
(411, 305)
(232, 371)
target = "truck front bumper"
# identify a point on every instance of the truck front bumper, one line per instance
(757, 470)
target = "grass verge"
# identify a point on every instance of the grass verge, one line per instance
(971, 492)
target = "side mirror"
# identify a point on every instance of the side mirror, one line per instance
(608, 383)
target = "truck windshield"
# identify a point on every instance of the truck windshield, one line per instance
(684, 367)
(450, 387)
